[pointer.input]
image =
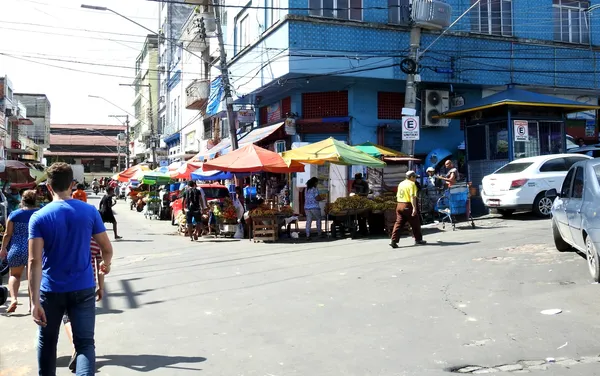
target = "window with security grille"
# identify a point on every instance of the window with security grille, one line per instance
(492, 17)
(399, 12)
(571, 23)
(342, 9)
(327, 104)
(389, 105)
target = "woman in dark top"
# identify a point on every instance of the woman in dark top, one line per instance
(106, 211)
(14, 244)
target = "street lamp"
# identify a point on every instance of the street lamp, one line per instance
(105, 9)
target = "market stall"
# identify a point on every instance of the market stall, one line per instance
(130, 173)
(254, 159)
(334, 152)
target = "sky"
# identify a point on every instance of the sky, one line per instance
(55, 47)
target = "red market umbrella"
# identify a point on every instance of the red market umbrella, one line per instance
(17, 173)
(252, 158)
(131, 172)
(185, 171)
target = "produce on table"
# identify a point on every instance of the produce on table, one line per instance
(228, 214)
(358, 202)
(263, 211)
(384, 203)
(286, 210)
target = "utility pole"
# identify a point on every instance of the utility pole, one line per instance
(410, 97)
(225, 78)
(126, 123)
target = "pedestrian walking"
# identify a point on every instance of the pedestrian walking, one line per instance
(406, 210)
(61, 278)
(99, 281)
(193, 204)
(14, 244)
(106, 212)
(311, 206)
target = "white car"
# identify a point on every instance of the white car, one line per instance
(521, 184)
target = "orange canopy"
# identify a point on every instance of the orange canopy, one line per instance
(251, 158)
(131, 172)
(185, 171)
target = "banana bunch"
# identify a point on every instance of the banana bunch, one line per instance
(263, 211)
(352, 203)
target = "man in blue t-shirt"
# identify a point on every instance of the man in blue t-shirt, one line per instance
(61, 278)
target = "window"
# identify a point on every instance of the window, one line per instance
(597, 171)
(476, 142)
(565, 191)
(389, 105)
(492, 17)
(243, 32)
(327, 104)
(570, 21)
(498, 141)
(399, 12)
(572, 160)
(208, 130)
(273, 12)
(554, 165)
(343, 9)
(578, 183)
(513, 168)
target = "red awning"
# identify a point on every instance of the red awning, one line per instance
(252, 158)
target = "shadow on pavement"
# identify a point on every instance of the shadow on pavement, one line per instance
(134, 241)
(140, 363)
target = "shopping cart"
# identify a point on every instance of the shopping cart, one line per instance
(456, 201)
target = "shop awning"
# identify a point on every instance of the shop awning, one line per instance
(244, 139)
(518, 97)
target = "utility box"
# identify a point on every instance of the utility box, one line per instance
(431, 14)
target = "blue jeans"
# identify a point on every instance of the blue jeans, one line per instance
(80, 306)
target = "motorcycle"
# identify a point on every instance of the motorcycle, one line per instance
(96, 190)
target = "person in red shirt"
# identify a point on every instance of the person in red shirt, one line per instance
(80, 194)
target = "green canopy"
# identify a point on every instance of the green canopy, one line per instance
(378, 150)
(333, 151)
(158, 176)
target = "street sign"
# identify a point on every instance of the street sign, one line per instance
(521, 130)
(410, 128)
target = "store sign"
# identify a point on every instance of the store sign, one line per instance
(521, 130)
(290, 126)
(246, 116)
(273, 112)
(411, 130)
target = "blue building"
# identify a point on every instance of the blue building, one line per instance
(334, 65)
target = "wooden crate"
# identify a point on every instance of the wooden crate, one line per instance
(265, 229)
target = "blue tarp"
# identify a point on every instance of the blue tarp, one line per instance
(213, 175)
(214, 98)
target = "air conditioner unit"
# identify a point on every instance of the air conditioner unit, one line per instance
(431, 14)
(434, 103)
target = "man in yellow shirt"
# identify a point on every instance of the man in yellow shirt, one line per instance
(406, 210)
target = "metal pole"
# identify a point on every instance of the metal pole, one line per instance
(118, 154)
(410, 98)
(127, 141)
(152, 129)
(225, 78)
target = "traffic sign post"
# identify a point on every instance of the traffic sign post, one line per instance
(411, 129)
(521, 130)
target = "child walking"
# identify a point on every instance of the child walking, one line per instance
(99, 279)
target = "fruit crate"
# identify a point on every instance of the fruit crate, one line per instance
(265, 229)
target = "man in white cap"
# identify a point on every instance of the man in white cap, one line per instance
(406, 210)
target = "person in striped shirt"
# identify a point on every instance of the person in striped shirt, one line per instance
(99, 279)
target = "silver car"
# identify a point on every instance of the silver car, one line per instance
(576, 213)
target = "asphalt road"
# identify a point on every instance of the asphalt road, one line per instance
(472, 297)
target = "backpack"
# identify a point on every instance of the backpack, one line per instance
(193, 199)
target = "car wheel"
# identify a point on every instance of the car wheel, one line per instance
(506, 212)
(593, 260)
(542, 205)
(561, 245)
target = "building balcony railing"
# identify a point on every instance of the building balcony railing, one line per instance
(197, 94)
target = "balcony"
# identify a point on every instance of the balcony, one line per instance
(197, 95)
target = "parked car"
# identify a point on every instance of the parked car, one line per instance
(211, 192)
(521, 184)
(575, 219)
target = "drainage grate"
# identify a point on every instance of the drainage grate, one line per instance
(524, 366)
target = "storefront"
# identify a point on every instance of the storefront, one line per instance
(510, 125)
